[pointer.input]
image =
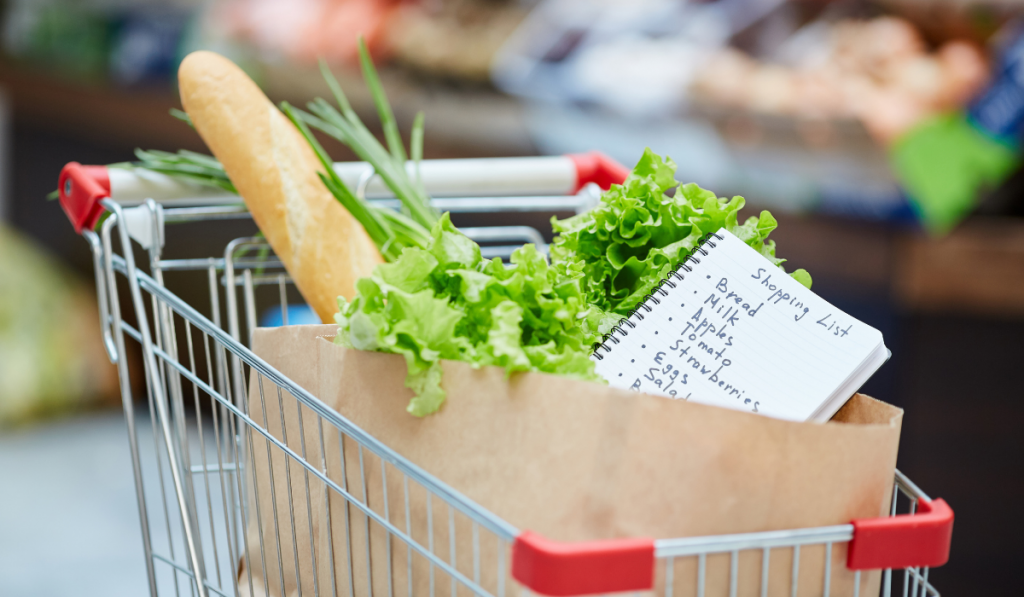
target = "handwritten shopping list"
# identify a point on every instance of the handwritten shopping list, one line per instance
(738, 332)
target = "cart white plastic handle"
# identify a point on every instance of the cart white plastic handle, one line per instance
(81, 187)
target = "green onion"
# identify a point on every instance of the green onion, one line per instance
(184, 164)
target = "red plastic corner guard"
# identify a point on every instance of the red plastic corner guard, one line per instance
(81, 188)
(903, 541)
(584, 568)
(598, 168)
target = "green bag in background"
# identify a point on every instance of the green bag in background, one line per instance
(52, 359)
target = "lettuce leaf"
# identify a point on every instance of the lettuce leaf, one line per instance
(638, 233)
(447, 302)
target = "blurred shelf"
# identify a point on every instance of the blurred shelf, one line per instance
(135, 118)
(850, 254)
(471, 121)
(977, 269)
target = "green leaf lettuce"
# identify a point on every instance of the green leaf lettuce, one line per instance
(447, 302)
(638, 233)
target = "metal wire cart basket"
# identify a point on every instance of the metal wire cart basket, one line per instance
(196, 429)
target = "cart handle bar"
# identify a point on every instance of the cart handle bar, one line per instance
(82, 187)
(904, 541)
(596, 567)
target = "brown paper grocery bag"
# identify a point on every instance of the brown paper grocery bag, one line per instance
(570, 460)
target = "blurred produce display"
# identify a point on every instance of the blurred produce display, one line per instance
(127, 42)
(131, 42)
(302, 30)
(800, 105)
(879, 70)
(813, 59)
(456, 38)
(794, 104)
(52, 359)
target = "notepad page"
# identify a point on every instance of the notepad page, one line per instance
(738, 332)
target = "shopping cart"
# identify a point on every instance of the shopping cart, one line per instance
(191, 476)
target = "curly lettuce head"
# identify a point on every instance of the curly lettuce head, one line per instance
(447, 302)
(638, 233)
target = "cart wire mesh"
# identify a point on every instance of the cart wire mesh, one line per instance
(211, 426)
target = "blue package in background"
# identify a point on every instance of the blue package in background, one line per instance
(999, 111)
(299, 314)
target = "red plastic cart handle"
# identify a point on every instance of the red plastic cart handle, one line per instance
(598, 168)
(81, 188)
(903, 541)
(584, 568)
(594, 567)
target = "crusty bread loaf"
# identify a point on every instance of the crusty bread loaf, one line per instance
(323, 247)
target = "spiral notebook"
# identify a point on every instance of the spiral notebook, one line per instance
(728, 328)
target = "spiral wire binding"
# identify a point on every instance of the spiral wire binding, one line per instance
(658, 289)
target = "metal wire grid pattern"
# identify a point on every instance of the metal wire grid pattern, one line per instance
(207, 497)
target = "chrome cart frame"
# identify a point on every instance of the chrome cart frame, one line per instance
(197, 425)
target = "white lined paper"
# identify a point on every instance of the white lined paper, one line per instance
(791, 359)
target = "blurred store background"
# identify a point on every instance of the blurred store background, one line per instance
(883, 135)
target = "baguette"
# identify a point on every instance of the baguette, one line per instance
(275, 171)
